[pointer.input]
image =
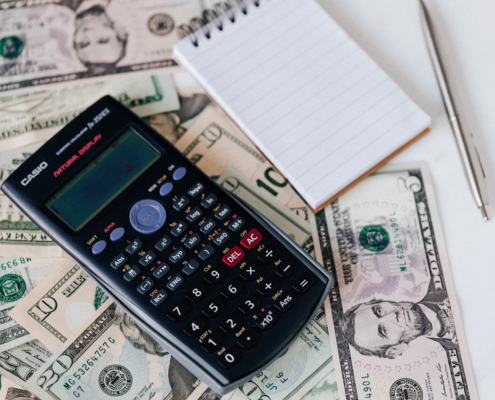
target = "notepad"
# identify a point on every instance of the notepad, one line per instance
(319, 108)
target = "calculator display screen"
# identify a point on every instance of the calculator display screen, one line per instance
(102, 180)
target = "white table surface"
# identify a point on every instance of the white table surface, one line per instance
(390, 31)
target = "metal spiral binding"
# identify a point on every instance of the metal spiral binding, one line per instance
(227, 9)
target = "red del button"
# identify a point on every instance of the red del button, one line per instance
(233, 256)
(251, 239)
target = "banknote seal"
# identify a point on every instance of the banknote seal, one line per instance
(12, 288)
(11, 47)
(115, 380)
(406, 389)
(161, 24)
(374, 238)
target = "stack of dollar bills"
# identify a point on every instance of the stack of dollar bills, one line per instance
(391, 327)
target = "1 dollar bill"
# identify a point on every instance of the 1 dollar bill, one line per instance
(393, 311)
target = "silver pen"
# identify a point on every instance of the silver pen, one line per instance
(467, 148)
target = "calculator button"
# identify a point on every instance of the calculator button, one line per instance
(178, 312)
(190, 267)
(229, 358)
(285, 301)
(159, 297)
(196, 293)
(236, 224)
(266, 320)
(208, 226)
(166, 188)
(249, 338)
(209, 200)
(147, 216)
(192, 241)
(214, 308)
(221, 238)
(215, 274)
(233, 256)
(232, 323)
(147, 259)
(161, 270)
(181, 202)
(177, 255)
(195, 213)
(179, 173)
(195, 327)
(175, 282)
(118, 261)
(179, 228)
(206, 252)
(163, 243)
(268, 254)
(145, 286)
(303, 283)
(250, 304)
(252, 238)
(116, 234)
(233, 289)
(98, 247)
(134, 246)
(212, 342)
(251, 271)
(132, 273)
(268, 285)
(222, 213)
(195, 190)
(285, 270)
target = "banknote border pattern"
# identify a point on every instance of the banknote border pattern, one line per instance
(336, 302)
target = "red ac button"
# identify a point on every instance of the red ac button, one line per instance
(251, 239)
(233, 256)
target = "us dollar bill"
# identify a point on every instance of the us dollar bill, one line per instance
(18, 276)
(305, 363)
(290, 223)
(59, 305)
(109, 356)
(214, 143)
(393, 312)
(37, 116)
(20, 363)
(11, 391)
(60, 42)
(19, 236)
(326, 389)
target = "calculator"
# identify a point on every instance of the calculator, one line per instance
(207, 276)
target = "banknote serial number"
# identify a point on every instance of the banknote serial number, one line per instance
(397, 240)
(86, 367)
(271, 385)
(366, 387)
(14, 263)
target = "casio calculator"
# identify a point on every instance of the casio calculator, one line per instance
(207, 276)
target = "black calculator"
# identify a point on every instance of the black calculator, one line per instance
(211, 279)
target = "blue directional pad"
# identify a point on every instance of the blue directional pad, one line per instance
(147, 216)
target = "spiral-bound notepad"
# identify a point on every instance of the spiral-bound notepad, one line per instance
(310, 98)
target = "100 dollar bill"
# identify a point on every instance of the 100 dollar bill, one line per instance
(56, 42)
(37, 116)
(393, 310)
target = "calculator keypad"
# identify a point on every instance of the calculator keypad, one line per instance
(225, 306)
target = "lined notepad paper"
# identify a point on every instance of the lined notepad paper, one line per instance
(309, 97)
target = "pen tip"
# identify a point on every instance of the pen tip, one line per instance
(484, 212)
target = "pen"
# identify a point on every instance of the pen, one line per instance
(467, 148)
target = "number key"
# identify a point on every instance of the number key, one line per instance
(212, 342)
(178, 312)
(231, 323)
(229, 358)
(195, 327)
(250, 304)
(196, 293)
(215, 274)
(233, 289)
(214, 308)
